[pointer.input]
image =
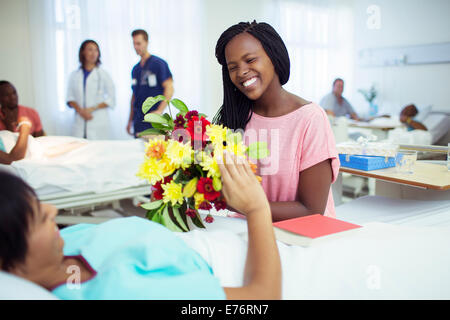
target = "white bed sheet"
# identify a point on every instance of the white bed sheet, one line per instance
(380, 261)
(97, 166)
(402, 252)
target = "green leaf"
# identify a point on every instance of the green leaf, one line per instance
(177, 103)
(198, 220)
(161, 126)
(150, 102)
(202, 115)
(155, 118)
(151, 213)
(176, 214)
(157, 217)
(258, 150)
(167, 221)
(170, 121)
(152, 205)
(177, 175)
(152, 131)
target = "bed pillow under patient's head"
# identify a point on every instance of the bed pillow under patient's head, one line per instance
(15, 288)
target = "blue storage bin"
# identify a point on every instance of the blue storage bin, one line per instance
(366, 163)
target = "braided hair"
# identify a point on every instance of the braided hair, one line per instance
(236, 110)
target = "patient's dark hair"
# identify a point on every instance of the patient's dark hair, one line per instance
(16, 213)
(235, 111)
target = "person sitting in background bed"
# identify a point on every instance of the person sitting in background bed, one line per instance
(11, 111)
(407, 116)
(19, 150)
(133, 258)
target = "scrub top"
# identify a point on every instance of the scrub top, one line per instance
(134, 258)
(147, 82)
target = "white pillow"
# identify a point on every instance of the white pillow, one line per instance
(423, 112)
(437, 124)
(15, 288)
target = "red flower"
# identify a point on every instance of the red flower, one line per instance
(179, 122)
(157, 188)
(191, 114)
(191, 213)
(197, 129)
(205, 205)
(205, 186)
(220, 205)
(209, 219)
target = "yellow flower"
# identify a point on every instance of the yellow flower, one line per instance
(172, 193)
(199, 198)
(150, 170)
(154, 170)
(166, 167)
(216, 133)
(236, 148)
(210, 164)
(180, 154)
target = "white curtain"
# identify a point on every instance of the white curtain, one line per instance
(58, 27)
(319, 38)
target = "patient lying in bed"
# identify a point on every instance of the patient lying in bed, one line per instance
(15, 146)
(132, 258)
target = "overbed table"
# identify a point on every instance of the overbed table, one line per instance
(430, 181)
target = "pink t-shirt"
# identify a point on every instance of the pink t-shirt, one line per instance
(296, 141)
(31, 114)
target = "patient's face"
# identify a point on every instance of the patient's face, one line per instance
(45, 245)
(8, 96)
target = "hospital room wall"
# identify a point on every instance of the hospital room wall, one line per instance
(15, 53)
(403, 23)
(16, 56)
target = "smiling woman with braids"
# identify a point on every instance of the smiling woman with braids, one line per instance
(303, 159)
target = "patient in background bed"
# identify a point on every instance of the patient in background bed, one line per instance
(133, 258)
(407, 116)
(15, 146)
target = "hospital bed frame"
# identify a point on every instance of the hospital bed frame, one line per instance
(71, 202)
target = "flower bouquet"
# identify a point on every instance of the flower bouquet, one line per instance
(181, 164)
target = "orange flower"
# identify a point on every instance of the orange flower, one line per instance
(156, 150)
(253, 166)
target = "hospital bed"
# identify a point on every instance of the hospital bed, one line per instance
(78, 175)
(401, 252)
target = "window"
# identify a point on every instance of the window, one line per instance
(319, 38)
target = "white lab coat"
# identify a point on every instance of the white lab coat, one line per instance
(99, 88)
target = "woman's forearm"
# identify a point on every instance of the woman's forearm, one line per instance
(288, 210)
(20, 149)
(262, 251)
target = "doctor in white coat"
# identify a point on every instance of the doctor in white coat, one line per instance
(91, 94)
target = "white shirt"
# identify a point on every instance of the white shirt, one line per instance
(99, 88)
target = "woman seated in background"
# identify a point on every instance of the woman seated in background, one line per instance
(133, 258)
